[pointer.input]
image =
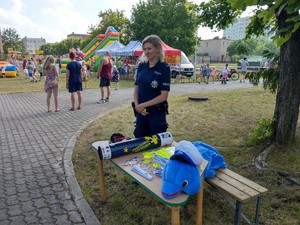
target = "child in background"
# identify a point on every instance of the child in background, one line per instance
(213, 74)
(225, 74)
(3, 72)
(121, 69)
(30, 68)
(40, 69)
(84, 73)
(126, 70)
(207, 73)
(35, 66)
(116, 77)
(26, 72)
(203, 73)
(88, 68)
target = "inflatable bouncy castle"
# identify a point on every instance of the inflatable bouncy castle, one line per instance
(88, 52)
(10, 70)
(64, 62)
(99, 42)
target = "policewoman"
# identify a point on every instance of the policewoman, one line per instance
(152, 86)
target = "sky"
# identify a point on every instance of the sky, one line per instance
(55, 19)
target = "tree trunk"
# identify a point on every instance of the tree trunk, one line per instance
(288, 94)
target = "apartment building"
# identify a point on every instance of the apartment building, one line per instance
(237, 30)
(33, 44)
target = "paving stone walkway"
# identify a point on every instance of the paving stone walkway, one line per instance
(37, 180)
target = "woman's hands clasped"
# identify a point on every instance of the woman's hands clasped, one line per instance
(141, 109)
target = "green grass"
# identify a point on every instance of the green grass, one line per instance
(225, 121)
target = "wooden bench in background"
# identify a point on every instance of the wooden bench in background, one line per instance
(228, 183)
(181, 79)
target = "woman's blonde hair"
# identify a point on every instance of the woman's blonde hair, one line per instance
(49, 61)
(157, 43)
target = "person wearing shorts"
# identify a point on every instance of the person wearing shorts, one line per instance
(74, 81)
(40, 69)
(30, 69)
(244, 65)
(105, 74)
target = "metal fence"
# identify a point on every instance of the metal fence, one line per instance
(212, 59)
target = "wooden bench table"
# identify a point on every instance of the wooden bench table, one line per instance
(153, 187)
(239, 188)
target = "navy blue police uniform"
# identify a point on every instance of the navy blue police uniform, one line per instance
(151, 81)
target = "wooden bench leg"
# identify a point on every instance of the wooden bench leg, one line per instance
(238, 211)
(199, 205)
(175, 215)
(101, 179)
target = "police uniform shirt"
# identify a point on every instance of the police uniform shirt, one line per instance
(151, 81)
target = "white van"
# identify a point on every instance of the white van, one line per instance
(186, 68)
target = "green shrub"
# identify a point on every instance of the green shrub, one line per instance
(264, 131)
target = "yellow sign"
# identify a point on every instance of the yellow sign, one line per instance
(39, 52)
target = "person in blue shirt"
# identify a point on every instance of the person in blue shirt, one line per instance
(74, 80)
(152, 86)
